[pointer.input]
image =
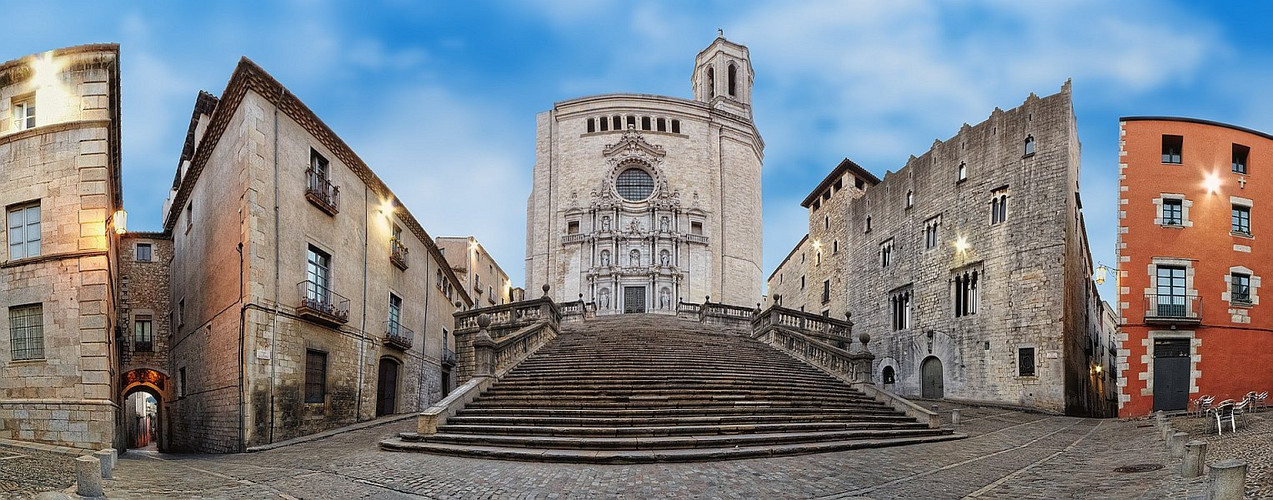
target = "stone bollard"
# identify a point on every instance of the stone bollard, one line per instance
(1227, 480)
(1178, 444)
(88, 477)
(104, 458)
(1195, 458)
(1167, 432)
(954, 417)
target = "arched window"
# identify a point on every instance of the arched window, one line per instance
(733, 75)
(888, 376)
(868, 224)
(910, 199)
(963, 171)
(711, 83)
(1029, 145)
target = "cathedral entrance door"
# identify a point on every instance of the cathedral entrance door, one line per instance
(633, 299)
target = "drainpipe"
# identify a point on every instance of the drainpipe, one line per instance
(421, 396)
(362, 330)
(242, 349)
(278, 258)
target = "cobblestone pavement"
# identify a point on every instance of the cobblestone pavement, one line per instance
(1253, 444)
(1009, 454)
(25, 472)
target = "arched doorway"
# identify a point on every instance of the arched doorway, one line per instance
(931, 384)
(387, 387)
(143, 409)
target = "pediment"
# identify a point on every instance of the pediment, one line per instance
(632, 143)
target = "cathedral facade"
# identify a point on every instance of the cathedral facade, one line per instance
(642, 201)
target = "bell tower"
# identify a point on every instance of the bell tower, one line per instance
(723, 76)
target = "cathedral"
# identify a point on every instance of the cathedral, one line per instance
(642, 201)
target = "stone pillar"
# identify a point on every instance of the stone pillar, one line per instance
(104, 458)
(954, 417)
(862, 361)
(1195, 458)
(1178, 444)
(483, 349)
(88, 477)
(1227, 480)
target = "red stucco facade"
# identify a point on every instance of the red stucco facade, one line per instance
(1194, 317)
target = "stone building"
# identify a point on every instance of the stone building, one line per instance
(60, 191)
(640, 201)
(304, 296)
(145, 329)
(968, 266)
(484, 279)
(1191, 263)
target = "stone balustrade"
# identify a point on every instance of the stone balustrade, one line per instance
(822, 341)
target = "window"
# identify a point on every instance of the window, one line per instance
(189, 216)
(318, 276)
(1173, 210)
(826, 221)
(930, 233)
(23, 114)
(1170, 285)
(143, 253)
(816, 205)
(696, 228)
(592, 125)
(676, 126)
(181, 312)
(395, 313)
(1240, 153)
(1025, 361)
(839, 184)
(662, 124)
(963, 172)
(733, 75)
(631, 121)
(819, 263)
(910, 199)
(888, 375)
(572, 227)
(900, 306)
(181, 382)
(645, 123)
(868, 224)
(802, 282)
(24, 231)
(26, 332)
(711, 82)
(966, 293)
(143, 334)
(1029, 145)
(1171, 146)
(605, 124)
(859, 183)
(634, 184)
(826, 291)
(1241, 287)
(886, 253)
(1242, 220)
(315, 376)
(835, 247)
(617, 122)
(998, 206)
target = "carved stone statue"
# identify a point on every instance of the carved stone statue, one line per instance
(664, 224)
(605, 223)
(665, 258)
(603, 298)
(634, 258)
(605, 258)
(665, 299)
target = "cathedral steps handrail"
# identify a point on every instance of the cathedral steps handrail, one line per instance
(851, 367)
(513, 321)
(810, 324)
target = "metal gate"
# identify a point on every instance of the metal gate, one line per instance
(931, 384)
(633, 299)
(1171, 374)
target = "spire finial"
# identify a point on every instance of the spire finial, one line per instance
(720, 32)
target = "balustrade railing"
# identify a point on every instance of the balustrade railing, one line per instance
(517, 329)
(822, 341)
(1163, 308)
(398, 254)
(398, 336)
(320, 303)
(321, 192)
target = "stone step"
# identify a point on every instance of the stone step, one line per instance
(670, 430)
(522, 420)
(758, 413)
(639, 391)
(671, 442)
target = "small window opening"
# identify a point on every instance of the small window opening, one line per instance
(592, 125)
(1240, 154)
(676, 126)
(645, 123)
(661, 123)
(1029, 145)
(1171, 147)
(733, 75)
(605, 124)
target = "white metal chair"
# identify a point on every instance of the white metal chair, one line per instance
(1202, 405)
(1224, 411)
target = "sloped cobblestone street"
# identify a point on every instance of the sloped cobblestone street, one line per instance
(1009, 454)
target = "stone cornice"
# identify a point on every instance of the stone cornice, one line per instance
(51, 257)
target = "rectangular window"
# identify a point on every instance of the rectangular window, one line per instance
(826, 291)
(395, 313)
(966, 293)
(645, 123)
(662, 124)
(1173, 212)
(696, 228)
(1171, 146)
(900, 307)
(676, 126)
(572, 227)
(1025, 362)
(1170, 284)
(143, 253)
(886, 253)
(1241, 284)
(931, 236)
(26, 332)
(1241, 219)
(1240, 154)
(998, 206)
(802, 282)
(143, 334)
(315, 376)
(189, 216)
(592, 125)
(181, 312)
(23, 114)
(318, 275)
(24, 231)
(181, 382)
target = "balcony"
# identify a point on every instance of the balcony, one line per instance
(1173, 309)
(320, 304)
(321, 192)
(448, 356)
(398, 336)
(696, 238)
(567, 239)
(398, 255)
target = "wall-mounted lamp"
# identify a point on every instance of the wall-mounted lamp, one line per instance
(1100, 273)
(119, 221)
(961, 244)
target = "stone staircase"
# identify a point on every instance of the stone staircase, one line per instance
(648, 388)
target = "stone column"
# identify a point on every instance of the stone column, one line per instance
(483, 349)
(1178, 444)
(104, 457)
(1227, 480)
(862, 361)
(1195, 459)
(88, 477)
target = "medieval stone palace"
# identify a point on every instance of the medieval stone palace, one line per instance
(642, 201)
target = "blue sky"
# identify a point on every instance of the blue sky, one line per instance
(440, 97)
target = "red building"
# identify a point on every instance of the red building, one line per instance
(1194, 243)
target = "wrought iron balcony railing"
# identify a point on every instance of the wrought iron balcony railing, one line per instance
(1174, 309)
(398, 336)
(320, 303)
(321, 192)
(448, 356)
(399, 253)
